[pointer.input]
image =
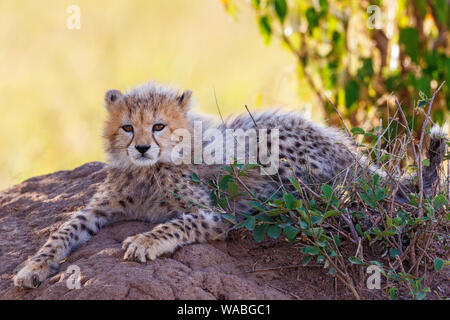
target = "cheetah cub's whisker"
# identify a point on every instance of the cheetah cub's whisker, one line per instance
(143, 182)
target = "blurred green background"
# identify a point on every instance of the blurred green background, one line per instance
(53, 79)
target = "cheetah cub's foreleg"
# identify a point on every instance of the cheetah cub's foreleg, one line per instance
(166, 237)
(71, 234)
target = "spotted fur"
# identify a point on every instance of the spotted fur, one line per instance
(148, 186)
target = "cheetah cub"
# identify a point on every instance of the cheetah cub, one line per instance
(143, 182)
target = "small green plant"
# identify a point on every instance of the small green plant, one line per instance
(323, 227)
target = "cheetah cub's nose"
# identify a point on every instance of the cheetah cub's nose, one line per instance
(142, 149)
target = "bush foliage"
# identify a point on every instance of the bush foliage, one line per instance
(356, 53)
(348, 227)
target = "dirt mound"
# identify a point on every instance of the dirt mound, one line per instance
(238, 268)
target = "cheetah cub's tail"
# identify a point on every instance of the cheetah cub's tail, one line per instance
(435, 153)
(430, 174)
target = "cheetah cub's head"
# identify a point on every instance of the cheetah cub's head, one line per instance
(140, 123)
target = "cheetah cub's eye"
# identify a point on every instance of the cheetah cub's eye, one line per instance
(158, 127)
(127, 128)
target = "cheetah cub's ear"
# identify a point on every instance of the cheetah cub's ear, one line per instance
(111, 97)
(185, 99)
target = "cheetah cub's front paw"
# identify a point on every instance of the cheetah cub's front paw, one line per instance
(142, 247)
(32, 275)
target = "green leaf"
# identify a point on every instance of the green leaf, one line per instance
(195, 177)
(351, 93)
(323, 6)
(355, 260)
(312, 251)
(327, 192)
(250, 224)
(389, 233)
(274, 231)
(376, 263)
(389, 221)
(295, 184)
(312, 17)
(260, 232)
(439, 201)
(380, 194)
(229, 217)
(421, 295)
(409, 38)
(263, 217)
(359, 229)
(441, 10)
(290, 232)
(394, 252)
(265, 28)
(257, 205)
(303, 224)
(330, 213)
(233, 188)
(438, 264)
(368, 200)
(336, 240)
(426, 162)
(357, 130)
(240, 224)
(316, 219)
(393, 293)
(281, 9)
(394, 276)
(223, 184)
(289, 200)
